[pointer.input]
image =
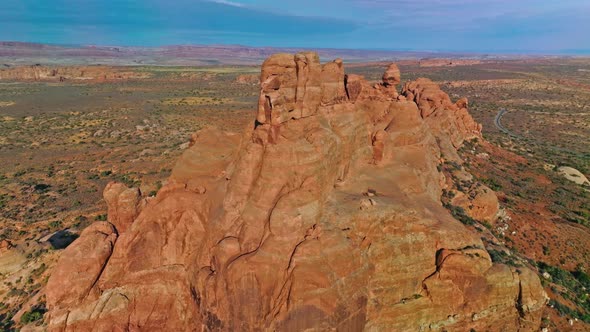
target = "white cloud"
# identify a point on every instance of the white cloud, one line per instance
(229, 3)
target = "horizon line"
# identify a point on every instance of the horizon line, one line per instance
(507, 52)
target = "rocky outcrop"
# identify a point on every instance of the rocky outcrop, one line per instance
(444, 118)
(573, 175)
(392, 75)
(123, 205)
(46, 73)
(5, 245)
(325, 214)
(479, 202)
(248, 79)
(74, 280)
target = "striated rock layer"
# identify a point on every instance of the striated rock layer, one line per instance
(323, 215)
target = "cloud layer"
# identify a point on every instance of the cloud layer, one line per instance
(457, 25)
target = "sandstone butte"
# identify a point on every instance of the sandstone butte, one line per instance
(323, 215)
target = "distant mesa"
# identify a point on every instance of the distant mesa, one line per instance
(448, 62)
(248, 79)
(18, 54)
(61, 74)
(324, 214)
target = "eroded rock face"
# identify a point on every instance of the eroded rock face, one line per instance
(323, 215)
(480, 203)
(79, 268)
(392, 75)
(445, 119)
(123, 205)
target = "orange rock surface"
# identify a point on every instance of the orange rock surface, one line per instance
(325, 214)
(5, 245)
(123, 204)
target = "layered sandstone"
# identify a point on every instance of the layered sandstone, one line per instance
(444, 118)
(324, 214)
(51, 73)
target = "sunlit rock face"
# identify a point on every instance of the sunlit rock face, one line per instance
(323, 215)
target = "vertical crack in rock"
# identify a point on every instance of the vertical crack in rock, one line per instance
(518, 303)
(100, 272)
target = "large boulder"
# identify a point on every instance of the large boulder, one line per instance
(479, 202)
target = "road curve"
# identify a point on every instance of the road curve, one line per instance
(498, 123)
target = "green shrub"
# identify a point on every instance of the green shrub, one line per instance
(493, 184)
(101, 217)
(502, 257)
(31, 316)
(577, 283)
(106, 173)
(41, 188)
(55, 224)
(460, 214)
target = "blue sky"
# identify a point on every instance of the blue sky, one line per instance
(450, 25)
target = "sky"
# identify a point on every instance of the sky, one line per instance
(544, 26)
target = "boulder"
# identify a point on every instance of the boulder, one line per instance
(572, 174)
(479, 203)
(5, 245)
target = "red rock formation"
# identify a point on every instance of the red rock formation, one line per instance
(444, 118)
(392, 75)
(480, 203)
(324, 215)
(123, 205)
(80, 265)
(332, 77)
(428, 96)
(5, 245)
(43, 73)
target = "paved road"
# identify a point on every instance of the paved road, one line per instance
(498, 124)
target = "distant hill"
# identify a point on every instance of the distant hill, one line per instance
(19, 53)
